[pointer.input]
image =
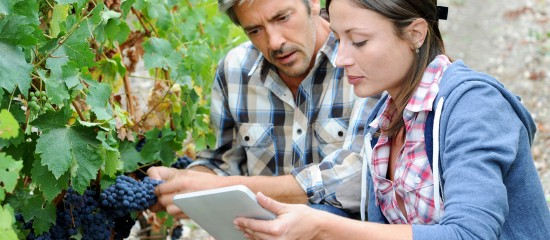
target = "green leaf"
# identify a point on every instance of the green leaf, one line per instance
(112, 161)
(71, 76)
(66, 1)
(130, 156)
(77, 46)
(17, 30)
(14, 70)
(28, 9)
(108, 14)
(111, 153)
(46, 181)
(5, 7)
(98, 99)
(55, 87)
(42, 214)
(53, 120)
(19, 199)
(9, 173)
(7, 222)
(62, 149)
(9, 127)
(59, 15)
(25, 151)
(160, 54)
(58, 60)
(117, 31)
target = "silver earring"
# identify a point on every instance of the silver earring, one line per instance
(416, 51)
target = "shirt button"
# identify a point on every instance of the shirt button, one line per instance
(299, 131)
(340, 133)
(246, 138)
(417, 180)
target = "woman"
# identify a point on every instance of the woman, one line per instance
(447, 150)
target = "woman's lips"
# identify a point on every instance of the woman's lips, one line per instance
(354, 79)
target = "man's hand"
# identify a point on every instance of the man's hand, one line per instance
(179, 181)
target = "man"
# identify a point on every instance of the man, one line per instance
(279, 106)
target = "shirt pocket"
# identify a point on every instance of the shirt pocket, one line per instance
(331, 130)
(419, 192)
(330, 135)
(255, 134)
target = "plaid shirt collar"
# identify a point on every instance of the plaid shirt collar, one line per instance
(424, 96)
(329, 49)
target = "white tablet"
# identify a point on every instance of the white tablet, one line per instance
(215, 209)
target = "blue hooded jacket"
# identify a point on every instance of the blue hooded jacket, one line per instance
(489, 182)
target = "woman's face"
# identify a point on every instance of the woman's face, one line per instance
(374, 57)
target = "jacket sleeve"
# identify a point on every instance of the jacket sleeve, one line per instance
(226, 156)
(336, 180)
(479, 134)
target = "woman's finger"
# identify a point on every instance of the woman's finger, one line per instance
(270, 204)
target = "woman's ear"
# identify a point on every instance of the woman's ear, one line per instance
(417, 32)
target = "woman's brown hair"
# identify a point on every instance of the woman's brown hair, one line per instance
(402, 13)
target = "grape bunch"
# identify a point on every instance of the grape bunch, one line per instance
(129, 195)
(40, 102)
(94, 215)
(182, 162)
(177, 232)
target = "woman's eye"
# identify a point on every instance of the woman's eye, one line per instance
(359, 44)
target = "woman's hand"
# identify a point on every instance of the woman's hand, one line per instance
(294, 221)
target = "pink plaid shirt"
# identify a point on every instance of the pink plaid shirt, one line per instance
(413, 180)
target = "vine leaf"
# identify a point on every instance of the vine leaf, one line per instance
(6, 222)
(55, 87)
(59, 15)
(63, 148)
(9, 173)
(49, 185)
(43, 215)
(9, 127)
(66, 1)
(160, 54)
(129, 156)
(21, 27)
(4, 7)
(14, 70)
(98, 99)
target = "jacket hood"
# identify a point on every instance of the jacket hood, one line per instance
(466, 74)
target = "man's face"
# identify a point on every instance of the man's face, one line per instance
(283, 31)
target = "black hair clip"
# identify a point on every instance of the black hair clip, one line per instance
(442, 12)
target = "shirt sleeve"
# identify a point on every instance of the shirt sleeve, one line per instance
(336, 180)
(226, 156)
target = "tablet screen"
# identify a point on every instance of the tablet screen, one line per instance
(215, 209)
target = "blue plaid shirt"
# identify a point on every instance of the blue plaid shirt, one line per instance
(262, 129)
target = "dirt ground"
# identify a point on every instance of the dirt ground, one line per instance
(510, 40)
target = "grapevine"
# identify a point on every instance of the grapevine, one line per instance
(75, 124)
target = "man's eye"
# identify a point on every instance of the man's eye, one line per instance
(252, 32)
(359, 44)
(283, 18)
